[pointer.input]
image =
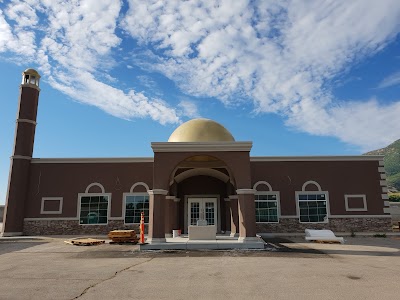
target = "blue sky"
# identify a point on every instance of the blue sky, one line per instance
(294, 77)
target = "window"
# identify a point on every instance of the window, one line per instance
(94, 209)
(135, 204)
(312, 207)
(267, 207)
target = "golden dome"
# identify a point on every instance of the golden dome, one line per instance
(32, 72)
(201, 130)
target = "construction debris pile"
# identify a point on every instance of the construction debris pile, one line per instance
(123, 236)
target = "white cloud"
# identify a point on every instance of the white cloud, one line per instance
(73, 47)
(189, 108)
(280, 55)
(391, 80)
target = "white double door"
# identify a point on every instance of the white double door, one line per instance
(202, 209)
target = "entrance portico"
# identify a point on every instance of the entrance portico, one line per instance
(202, 174)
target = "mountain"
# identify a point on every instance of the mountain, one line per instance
(392, 163)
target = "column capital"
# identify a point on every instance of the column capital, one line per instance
(157, 192)
(245, 191)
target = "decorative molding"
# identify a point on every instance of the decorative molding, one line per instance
(157, 192)
(383, 175)
(138, 183)
(227, 199)
(383, 182)
(201, 171)
(95, 184)
(233, 197)
(303, 188)
(386, 203)
(116, 218)
(381, 169)
(21, 157)
(385, 196)
(384, 189)
(317, 158)
(357, 216)
(170, 197)
(201, 146)
(381, 162)
(55, 212)
(29, 85)
(262, 182)
(387, 210)
(346, 201)
(101, 160)
(177, 200)
(26, 121)
(52, 219)
(245, 191)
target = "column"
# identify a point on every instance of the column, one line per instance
(227, 215)
(234, 215)
(156, 232)
(175, 206)
(169, 215)
(247, 215)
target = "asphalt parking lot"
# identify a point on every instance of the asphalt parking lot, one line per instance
(363, 268)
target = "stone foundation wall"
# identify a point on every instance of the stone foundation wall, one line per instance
(334, 224)
(72, 227)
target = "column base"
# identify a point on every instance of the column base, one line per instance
(248, 239)
(168, 235)
(8, 234)
(234, 234)
(156, 240)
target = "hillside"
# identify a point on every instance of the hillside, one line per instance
(392, 163)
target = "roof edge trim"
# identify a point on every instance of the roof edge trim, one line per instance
(201, 146)
(82, 160)
(319, 158)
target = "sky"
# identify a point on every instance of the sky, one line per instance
(295, 77)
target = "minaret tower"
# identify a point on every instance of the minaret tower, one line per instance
(18, 180)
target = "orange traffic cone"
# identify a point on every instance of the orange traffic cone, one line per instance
(141, 228)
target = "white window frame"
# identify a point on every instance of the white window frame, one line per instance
(124, 204)
(51, 212)
(80, 195)
(298, 193)
(346, 201)
(278, 204)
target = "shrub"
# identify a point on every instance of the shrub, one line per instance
(394, 198)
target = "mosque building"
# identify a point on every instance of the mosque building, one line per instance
(200, 174)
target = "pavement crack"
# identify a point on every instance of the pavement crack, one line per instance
(109, 278)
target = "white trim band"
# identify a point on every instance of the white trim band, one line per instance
(246, 191)
(201, 146)
(26, 121)
(358, 216)
(157, 192)
(21, 157)
(318, 158)
(52, 219)
(102, 160)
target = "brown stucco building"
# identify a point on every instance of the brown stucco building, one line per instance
(200, 174)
